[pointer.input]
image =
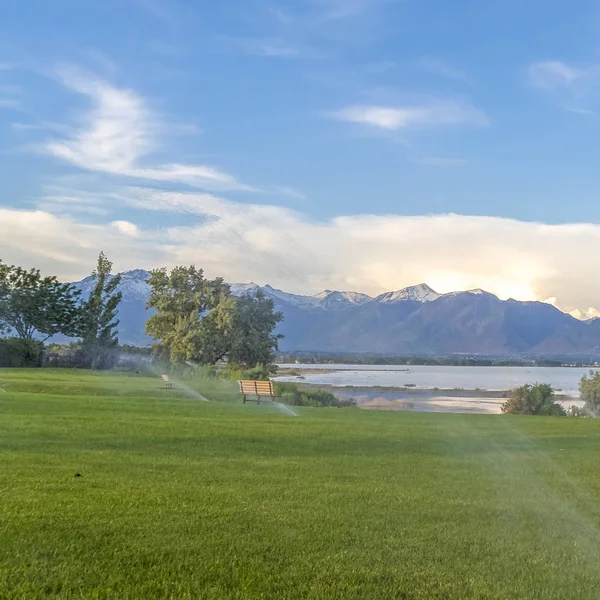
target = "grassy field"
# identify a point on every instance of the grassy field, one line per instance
(186, 499)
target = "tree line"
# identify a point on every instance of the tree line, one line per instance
(194, 319)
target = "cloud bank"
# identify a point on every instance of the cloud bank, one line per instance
(366, 253)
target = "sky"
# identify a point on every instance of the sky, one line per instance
(362, 145)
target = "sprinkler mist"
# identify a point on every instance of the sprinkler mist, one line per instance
(284, 408)
(186, 388)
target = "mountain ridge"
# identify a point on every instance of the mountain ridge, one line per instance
(413, 320)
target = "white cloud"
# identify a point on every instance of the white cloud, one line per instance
(118, 132)
(126, 228)
(584, 315)
(269, 244)
(393, 118)
(67, 247)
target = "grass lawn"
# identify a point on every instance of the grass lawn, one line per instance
(186, 499)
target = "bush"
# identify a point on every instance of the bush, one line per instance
(258, 373)
(291, 394)
(533, 400)
(575, 411)
(18, 353)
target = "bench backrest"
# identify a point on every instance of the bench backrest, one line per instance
(165, 378)
(257, 388)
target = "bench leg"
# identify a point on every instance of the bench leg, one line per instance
(244, 401)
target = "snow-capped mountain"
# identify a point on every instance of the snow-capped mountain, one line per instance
(417, 293)
(134, 284)
(414, 320)
(330, 298)
(324, 300)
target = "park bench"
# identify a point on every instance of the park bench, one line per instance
(168, 384)
(257, 389)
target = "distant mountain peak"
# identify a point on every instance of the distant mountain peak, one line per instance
(330, 296)
(138, 274)
(416, 293)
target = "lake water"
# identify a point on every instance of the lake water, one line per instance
(425, 379)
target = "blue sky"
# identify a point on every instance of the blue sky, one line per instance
(310, 143)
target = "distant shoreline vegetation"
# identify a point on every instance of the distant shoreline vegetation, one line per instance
(444, 361)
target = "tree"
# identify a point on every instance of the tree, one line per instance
(253, 341)
(181, 300)
(34, 306)
(98, 324)
(199, 320)
(533, 400)
(589, 391)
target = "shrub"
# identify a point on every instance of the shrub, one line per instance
(576, 411)
(258, 373)
(17, 353)
(291, 394)
(533, 400)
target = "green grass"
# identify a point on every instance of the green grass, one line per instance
(186, 499)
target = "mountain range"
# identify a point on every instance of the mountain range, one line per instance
(414, 320)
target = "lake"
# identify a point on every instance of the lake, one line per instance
(436, 388)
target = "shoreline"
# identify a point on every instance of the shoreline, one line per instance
(474, 401)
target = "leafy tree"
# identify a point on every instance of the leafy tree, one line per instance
(589, 390)
(98, 325)
(34, 306)
(199, 320)
(253, 341)
(533, 400)
(182, 299)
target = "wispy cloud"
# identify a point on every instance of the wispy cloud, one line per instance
(291, 192)
(553, 74)
(431, 114)
(574, 86)
(281, 15)
(10, 97)
(163, 10)
(441, 161)
(270, 48)
(442, 68)
(334, 10)
(118, 132)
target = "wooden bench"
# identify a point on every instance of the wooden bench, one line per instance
(168, 384)
(258, 389)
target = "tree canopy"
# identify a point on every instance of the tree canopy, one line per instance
(34, 306)
(198, 320)
(533, 400)
(589, 390)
